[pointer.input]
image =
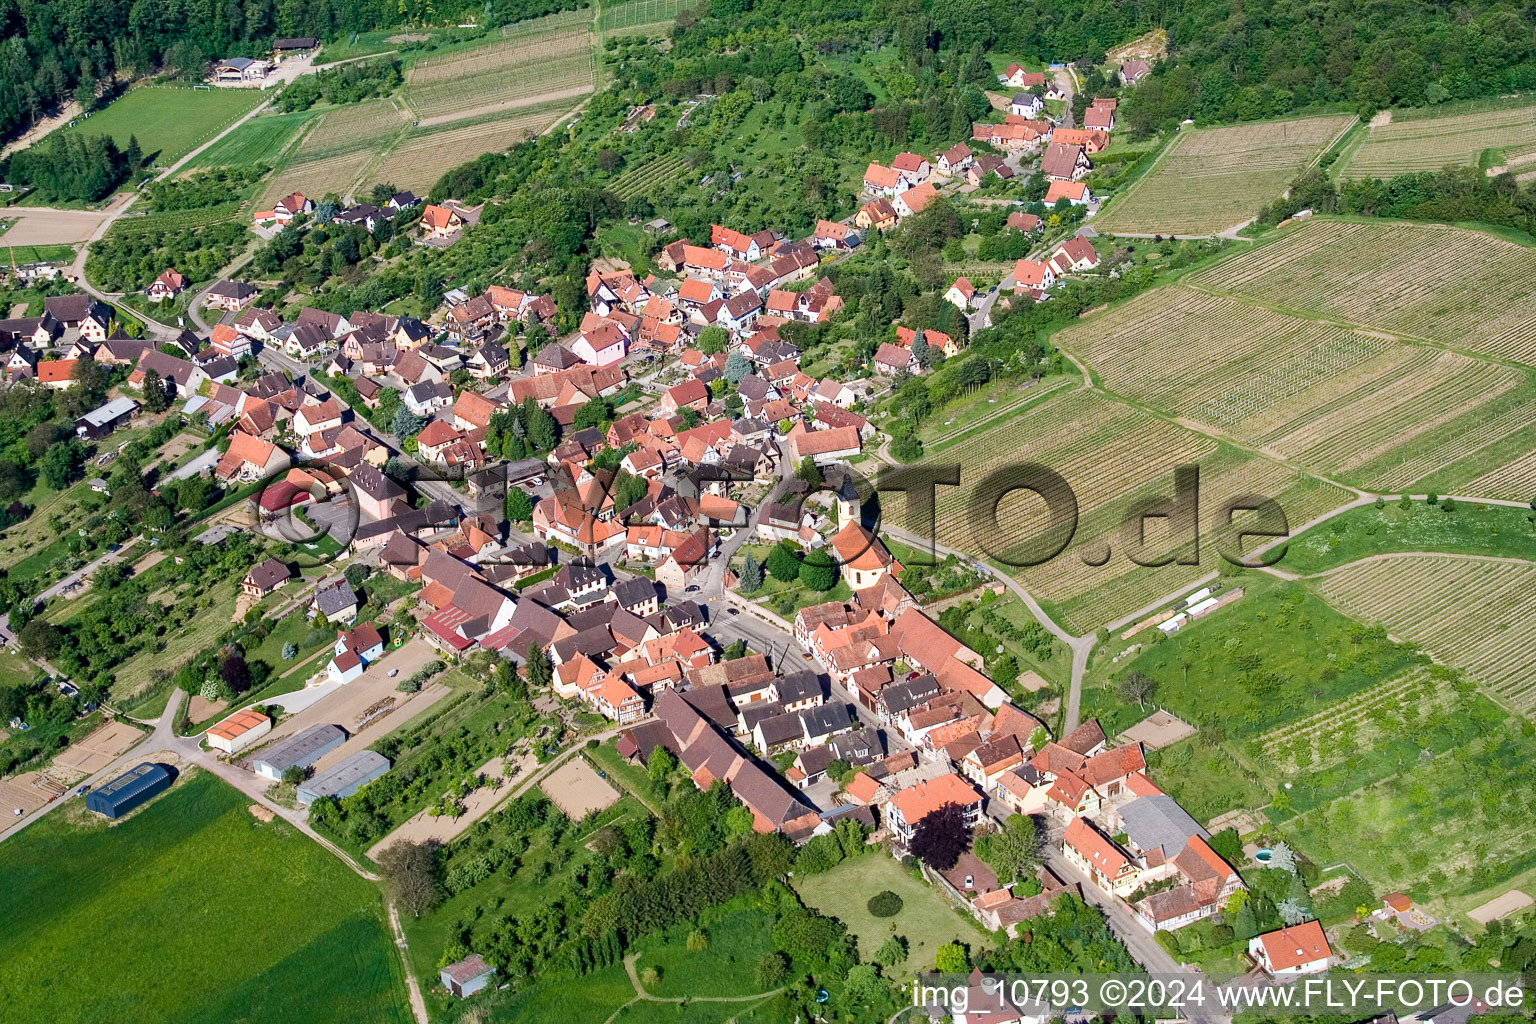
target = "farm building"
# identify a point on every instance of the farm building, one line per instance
(300, 750)
(239, 731)
(466, 977)
(130, 789)
(346, 778)
(101, 421)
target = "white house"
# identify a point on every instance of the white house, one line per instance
(1026, 104)
(353, 652)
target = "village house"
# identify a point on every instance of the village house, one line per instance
(1019, 78)
(1026, 104)
(954, 160)
(915, 803)
(440, 222)
(266, 577)
(1291, 952)
(1065, 163)
(1074, 254)
(1133, 71)
(962, 293)
(880, 180)
(1105, 864)
(1074, 192)
(231, 296)
(167, 286)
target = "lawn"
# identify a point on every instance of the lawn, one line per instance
(926, 921)
(739, 934)
(630, 777)
(1462, 528)
(38, 253)
(1276, 654)
(169, 122)
(562, 1000)
(201, 912)
(260, 140)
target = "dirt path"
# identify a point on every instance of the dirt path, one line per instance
(66, 113)
(418, 1004)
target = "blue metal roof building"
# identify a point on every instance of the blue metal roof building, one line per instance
(130, 789)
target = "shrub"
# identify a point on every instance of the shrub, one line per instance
(884, 904)
(698, 941)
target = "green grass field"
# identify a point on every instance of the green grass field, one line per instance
(1276, 654)
(927, 921)
(261, 140)
(1462, 528)
(37, 253)
(193, 911)
(169, 122)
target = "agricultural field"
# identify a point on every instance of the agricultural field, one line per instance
(156, 890)
(1430, 138)
(631, 14)
(169, 122)
(1212, 179)
(1395, 277)
(344, 129)
(261, 140)
(1408, 702)
(1472, 613)
(1112, 456)
(425, 154)
(1347, 402)
(336, 173)
(658, 170)
(541, 60)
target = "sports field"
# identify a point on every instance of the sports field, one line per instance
(1212, 179)
(169, 122)
(1472, 613)
(544, 58)
(1348, 402)
(188, 911)
(1112, 456)
(1419, 140)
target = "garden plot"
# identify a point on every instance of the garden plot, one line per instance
(1412, 142)
(1393, 708)
(1213, 179)
(1409, 279)
(656, 171)
(1473, 613)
